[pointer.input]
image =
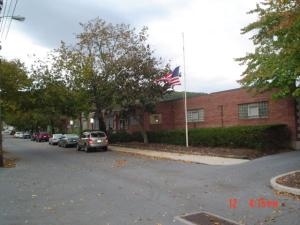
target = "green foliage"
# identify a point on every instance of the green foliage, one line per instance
(14, 86)
(176, 137)
(52, 98)
(123, 136)
(275, 63)
(254, 137)
(113, 64)
(13, 77)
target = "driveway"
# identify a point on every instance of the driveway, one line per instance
(55, 186)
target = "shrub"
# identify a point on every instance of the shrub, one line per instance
(256, 137)
(123, 136)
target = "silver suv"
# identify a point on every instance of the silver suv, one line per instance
(89, 140)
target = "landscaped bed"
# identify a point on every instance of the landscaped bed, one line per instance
(242, 153)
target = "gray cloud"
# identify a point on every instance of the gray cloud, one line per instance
(50, 21)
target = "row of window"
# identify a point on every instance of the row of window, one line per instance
(246, 111)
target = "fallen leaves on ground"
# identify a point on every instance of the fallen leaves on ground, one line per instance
(119, 163)
(10, 163)
(286, 194)
(291, 180)
(242, 153)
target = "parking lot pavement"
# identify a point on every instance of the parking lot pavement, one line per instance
(52, 185)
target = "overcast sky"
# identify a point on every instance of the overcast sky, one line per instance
(211, 30)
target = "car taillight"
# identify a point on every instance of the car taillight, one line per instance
(90, 141)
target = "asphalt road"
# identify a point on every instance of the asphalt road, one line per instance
(57, 186)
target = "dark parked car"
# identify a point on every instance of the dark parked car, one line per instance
(89, 140)
(68, 140)
(42, 136)
(53, 140)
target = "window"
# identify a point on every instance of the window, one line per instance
(133, 121)
(253, 110)
(123, 124)
(155, 119)
(195, 115)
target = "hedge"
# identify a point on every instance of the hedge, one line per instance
(256, 137)
(123, 136)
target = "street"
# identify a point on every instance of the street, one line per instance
(60, 186)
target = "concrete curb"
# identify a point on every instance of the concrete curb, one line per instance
(280, 187)
(208, 160)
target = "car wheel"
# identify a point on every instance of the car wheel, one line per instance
(86, 149)
(78, 147)
(105, 148)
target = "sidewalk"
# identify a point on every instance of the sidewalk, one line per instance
(208, 160)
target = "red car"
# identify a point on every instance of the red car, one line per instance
(42, 136)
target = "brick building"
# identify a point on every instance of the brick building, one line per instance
(219, 109)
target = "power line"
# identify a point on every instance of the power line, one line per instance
(13, 12)
(3, 18)
(6, 17)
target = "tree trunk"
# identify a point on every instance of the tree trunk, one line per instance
(145, 136)
(1, 146)
(140, 119)
(101, 123)
(1, 152)
(100, 118)
(52, 126)
(80, 123)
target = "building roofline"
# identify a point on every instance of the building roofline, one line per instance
(177, 95)
(229, 90)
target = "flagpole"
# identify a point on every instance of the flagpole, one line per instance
(185, 104)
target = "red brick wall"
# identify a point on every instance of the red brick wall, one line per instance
(279, 111)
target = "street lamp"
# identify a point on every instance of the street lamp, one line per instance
(92, 123)
(71, 125)
(19, 18)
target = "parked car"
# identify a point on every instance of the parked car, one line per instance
(54, 138)
(89, 140)
(26, 135)
(6, 131)
(42, 136)
(18, 134)
(68, 140)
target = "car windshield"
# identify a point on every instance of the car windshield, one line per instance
(57, 135)
(98, 134)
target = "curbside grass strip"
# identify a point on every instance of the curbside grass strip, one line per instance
(280, 187)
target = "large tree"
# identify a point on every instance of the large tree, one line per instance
(136, 88)
(13, 83)
(275, 63)
(113, 64)
(53, 99)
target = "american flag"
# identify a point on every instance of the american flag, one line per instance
(171, 78)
